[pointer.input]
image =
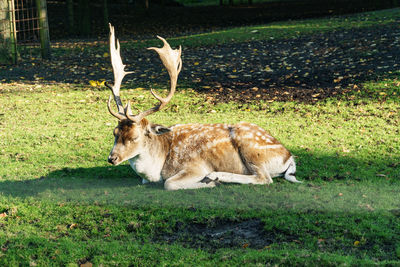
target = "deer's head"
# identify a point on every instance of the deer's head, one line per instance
(134, 131)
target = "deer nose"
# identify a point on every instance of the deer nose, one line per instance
(112, 159)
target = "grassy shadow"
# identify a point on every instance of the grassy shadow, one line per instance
(330, 182)
(104, 210)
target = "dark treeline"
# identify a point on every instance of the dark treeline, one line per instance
(89, 18)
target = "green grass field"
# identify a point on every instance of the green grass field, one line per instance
(62, 204)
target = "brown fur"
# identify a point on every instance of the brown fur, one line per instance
(241, 149)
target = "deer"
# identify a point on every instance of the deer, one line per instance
(190, 156)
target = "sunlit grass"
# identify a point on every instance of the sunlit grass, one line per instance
(62, 204)
(282, 30)
(58, 190)
(72, 129)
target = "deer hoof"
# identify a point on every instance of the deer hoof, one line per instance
(206, 180)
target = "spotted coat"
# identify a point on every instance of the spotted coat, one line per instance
(202, 155)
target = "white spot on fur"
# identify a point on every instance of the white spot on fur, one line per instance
(221, 140)
(267, 146)
(249, 136)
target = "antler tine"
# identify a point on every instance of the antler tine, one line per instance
(171, 59)
(173, 63)
(118, 115)
(119, 74)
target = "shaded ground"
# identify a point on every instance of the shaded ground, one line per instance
(171, 20)
(224, 234)
(304, 69)
(252, 233)
(307, 68)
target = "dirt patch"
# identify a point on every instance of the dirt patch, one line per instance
(224, 234)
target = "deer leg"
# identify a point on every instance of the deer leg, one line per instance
(187, 180)
(227, 177)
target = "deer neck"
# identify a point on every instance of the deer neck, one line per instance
(149, 163)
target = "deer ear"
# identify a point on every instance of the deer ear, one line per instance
(159, 129)
(144, 123)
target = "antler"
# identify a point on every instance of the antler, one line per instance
(171, 59)
(119, 74)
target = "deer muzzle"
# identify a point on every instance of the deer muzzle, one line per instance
(113, 159)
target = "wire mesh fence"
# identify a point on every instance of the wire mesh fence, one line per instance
(23, 29)
(27, 22)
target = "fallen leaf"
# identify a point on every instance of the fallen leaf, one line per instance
(97, 83)
(268, 69)
(93, 83)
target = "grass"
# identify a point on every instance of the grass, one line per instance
(62, 204)
(66, 205)
(271, 31)
(280, 30)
